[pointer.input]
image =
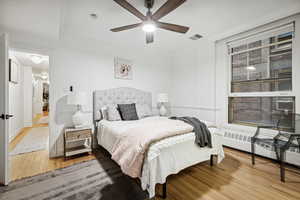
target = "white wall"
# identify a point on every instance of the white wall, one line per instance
(89, 70)
(27, 96)
(16, 103)
(193, 81)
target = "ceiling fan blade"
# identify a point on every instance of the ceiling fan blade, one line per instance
(124, 28)
(172, 27)
(168, 7)
(131, 9)
(149, 38)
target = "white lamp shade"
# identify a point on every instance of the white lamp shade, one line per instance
(162, 98)
(77, 98)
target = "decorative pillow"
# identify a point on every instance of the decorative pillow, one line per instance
(113, 113)
(128, 112)
(98, 115)
(143, 110)
(104, 112)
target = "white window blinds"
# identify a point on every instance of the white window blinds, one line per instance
(240, 44)
(262, 62)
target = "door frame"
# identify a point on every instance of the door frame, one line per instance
(4, 174)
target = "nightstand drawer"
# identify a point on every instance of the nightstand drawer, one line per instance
(80, 134)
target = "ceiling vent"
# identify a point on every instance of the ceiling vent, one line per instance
(196, 37)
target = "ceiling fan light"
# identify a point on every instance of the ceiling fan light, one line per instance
(149, 27)
(44, 75)
(36, 59)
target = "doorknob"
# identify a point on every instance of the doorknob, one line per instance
(5, 117)
(8, 116)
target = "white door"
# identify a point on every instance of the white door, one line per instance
(4, 73)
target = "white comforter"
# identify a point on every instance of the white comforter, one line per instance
(165, 157)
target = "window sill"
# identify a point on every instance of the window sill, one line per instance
(263, 94)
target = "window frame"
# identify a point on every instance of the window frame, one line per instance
(259, 94)
(231, 94)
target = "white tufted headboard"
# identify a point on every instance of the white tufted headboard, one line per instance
(121, 95)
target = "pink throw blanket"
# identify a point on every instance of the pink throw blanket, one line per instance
(131, 146)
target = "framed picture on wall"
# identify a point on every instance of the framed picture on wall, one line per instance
(123, 69)
(13, 71)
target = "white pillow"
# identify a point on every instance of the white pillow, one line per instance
(98, 115)
(143, 110)
(104, 112)
(113, 113)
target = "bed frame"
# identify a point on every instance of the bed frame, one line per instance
(123, 95)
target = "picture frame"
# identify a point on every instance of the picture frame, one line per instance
(13, 71)
(123, 68)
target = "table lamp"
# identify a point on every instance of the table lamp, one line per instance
(162, 99)
(79, 99)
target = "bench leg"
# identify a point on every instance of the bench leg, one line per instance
(164, 195)
(282, 166)
(211, 160)
(253, 153)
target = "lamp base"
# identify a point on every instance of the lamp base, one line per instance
(163, 111)
(78, 119)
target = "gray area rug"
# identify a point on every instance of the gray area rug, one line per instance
(99, 179)
(36, 139)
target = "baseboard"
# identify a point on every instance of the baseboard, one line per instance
(11, 138)
(27, 124)
(17, 132)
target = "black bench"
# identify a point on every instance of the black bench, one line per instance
(288, 127)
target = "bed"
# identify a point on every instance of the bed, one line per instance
(165, 157)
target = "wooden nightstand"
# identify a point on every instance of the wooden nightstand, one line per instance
(77, 141)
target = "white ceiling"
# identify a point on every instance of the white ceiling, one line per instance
(39, 17)
(65, 19)
(25, 60)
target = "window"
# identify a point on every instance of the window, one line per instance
(261, 68)
(260, 110)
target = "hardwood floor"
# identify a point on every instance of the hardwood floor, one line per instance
(30, 164)
(234, 179)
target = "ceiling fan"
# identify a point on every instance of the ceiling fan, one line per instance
(151, 22)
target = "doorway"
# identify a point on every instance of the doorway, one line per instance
(29, 104)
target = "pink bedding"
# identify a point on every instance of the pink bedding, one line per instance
(131, 146)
